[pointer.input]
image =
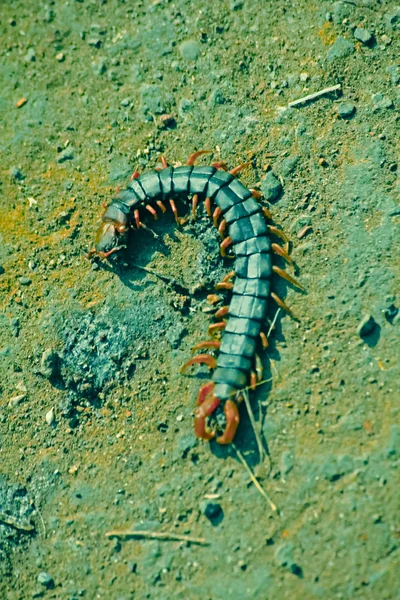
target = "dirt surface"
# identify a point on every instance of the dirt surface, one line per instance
(96, 430)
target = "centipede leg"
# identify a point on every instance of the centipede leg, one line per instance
(205, 389)
(194, 156)
(201, 413)
(206, 345)
(239, 168)
(200, 359)
(283, 305)
(195, 201)
(216, 215)
(253, 380)
(222, 312)
(164, 162)
(264, 340)
(216, 327)
(220, 165)
(174, 210)
(288, 277)
(135, 175)
(281, 252)
(227, 242)
(222, 228)
(161, 205)
(207, 205)
(137, 219)
(256, 194)
(152, 211)
(232, 421)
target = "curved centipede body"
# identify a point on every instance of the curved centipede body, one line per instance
(242, 222)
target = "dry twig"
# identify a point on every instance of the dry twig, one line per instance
(254, 479)
(314, 96)
(156, 535)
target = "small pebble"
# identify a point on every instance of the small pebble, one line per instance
(341, 48)
(190, 50)
(49, 363)
(363, 35)
(16, 174)
(271, 187)
(345, 110)
(125, 102)
(381, 102)
(60, 57)
(30, 56)
(50, 416)
(211, 510)
(94, 42)
(67, 154)
(366, 326)
(25, 281)
(45, 579)
(16, 400)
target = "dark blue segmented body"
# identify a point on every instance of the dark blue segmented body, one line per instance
(251, 245)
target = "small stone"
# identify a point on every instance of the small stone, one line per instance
(341, 48)
(190, 50)
(288, 165)
(345, 110)
(99, 67)
(366, 326)
(25, 280)
(50, 416)
(30, 56)
(386, 40)
(394, 72)
(271, 187)
(60, 57)
(216, 97)
(152, 99)
(392, 18)
(94, 42)
(15, 400)
(46, 580)
(16, 174)
(185, 105)
(381, 102)
(49, 363)
(67, 154)
(363, 35)
(304, 77)
(125, 102)
(211, 510)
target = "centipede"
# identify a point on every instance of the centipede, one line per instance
(247, 233)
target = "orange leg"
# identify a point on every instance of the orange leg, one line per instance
(239, 168)
(164, 162)
(232, 422)
(206, 345)
(216, 215)
(213, 298)
(253, 380)
(216, 327)
(200, 359)
(229, 276)
(279, 233)
(224, 285)
(264, 340)
(221, 228)
(137, 219)
(220, 165)
(162, 206)
(135, 175)
(205, 389)
(222, 312)
(227, 242)
(201, 413)
(174, 210)
(288, 277)
(283, 306)
(195, 201)
(281, 252)
(207, 204)
(256, 194)
(151, 211)
(193, 157)
(267, 213)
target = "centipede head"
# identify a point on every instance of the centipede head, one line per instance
(112, 233)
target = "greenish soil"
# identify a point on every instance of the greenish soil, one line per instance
(96, 428)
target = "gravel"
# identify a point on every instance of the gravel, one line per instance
(271, 187)
(341, 48)
(346, 110)
(363, 35)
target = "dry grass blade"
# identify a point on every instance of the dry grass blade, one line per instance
(254, 425)
(156, 535)
(255, 480)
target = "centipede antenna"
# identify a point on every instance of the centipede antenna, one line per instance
(254, 425)
(254, 479)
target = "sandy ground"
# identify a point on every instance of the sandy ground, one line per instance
(96, 428)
